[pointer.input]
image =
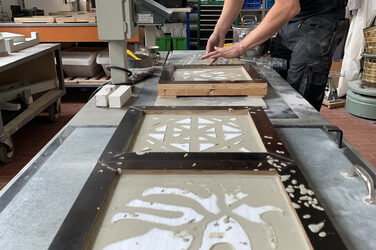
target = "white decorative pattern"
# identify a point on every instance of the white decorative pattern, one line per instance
(210, 204)
(199, 211)
(147, 241)
(189, 215)
(198, 133)
(225, 230)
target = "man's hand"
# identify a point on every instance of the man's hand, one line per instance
(227, 52)
(278, 15)
(217, 39)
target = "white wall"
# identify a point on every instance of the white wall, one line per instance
(6, 6)
(48, 5)
(82, 5)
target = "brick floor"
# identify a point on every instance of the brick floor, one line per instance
(361, 133)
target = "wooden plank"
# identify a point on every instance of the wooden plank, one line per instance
(71, 13)
(198, 89)
(211, 101)
(99, 79)
(333, 105)
(35, 19)
(98, 76)
(77, 19)
(181, 10)
(69, 80)
(60, 17)
(254, 86)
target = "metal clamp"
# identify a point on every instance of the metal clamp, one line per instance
(249, 19)
(339, 134)
(356, 170)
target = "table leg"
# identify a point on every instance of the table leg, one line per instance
(188, 30)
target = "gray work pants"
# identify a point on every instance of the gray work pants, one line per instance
(308, 45)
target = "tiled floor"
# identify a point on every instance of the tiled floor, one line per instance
(31, 138)
(361, 133)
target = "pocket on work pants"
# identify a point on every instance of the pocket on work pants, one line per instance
(314, 83)
(316, 39)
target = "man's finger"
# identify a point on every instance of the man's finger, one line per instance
(210, 54)
(213, 60)
(216, 56)
(208, 47)
(218, 48)
(204, 56)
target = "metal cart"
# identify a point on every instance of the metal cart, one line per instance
(31, 81)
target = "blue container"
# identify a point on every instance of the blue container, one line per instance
(252, 4)
(269, 4)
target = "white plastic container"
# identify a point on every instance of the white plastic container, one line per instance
(80, 62)
(3, 49)
(17, 38)
(103, 58)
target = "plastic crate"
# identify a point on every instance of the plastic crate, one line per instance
(80, 61)
(164, 43)
(269, 4)
(179, 43)
(103, 58)
(252, 4)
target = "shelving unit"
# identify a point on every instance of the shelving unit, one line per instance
(208, 15)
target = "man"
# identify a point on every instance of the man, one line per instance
(311, 29)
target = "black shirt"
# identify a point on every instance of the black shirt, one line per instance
(309, 8)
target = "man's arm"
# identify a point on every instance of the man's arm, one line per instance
(279, 15)
(231, 9)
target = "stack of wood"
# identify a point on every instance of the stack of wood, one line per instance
(98, 79)
(60, 17)
(369, 73)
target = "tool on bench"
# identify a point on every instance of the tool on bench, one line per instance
(331, 99)
(133, 55)
(357, 170)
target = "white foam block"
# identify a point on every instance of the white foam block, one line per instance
(13, 46)
(2, 46)
(101, 98)
(120, 96)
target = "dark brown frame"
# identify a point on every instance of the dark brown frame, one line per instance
(85, 215)
(134, 117)
(167, 87)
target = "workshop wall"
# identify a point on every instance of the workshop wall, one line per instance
(48, 5)
(6, 6)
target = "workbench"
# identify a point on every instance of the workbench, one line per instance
(33, 75)
(35, 203)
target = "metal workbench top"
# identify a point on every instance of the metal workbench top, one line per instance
(17, 58)
(34, 204)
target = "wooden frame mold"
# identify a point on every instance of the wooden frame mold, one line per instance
(82, 223)
(133, 119)
(255, 86)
